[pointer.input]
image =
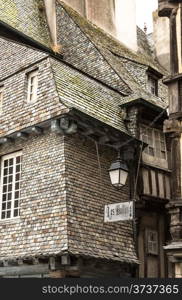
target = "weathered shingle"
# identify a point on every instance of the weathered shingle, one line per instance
(78, 91)
(26, 17)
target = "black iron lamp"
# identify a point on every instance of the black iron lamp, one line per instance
(118, 172)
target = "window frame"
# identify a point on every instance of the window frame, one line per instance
(152, 144)
(13, 156)
(32, 87)
(155, 80)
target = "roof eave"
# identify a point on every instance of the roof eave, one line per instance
(13, 34)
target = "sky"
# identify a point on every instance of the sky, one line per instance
(144, 9)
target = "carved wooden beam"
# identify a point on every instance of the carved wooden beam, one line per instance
(5, 263)
(24, 270)
(35, 261)
(5, 140)
(36, 130)
(52, 263)
(65, 260)
(22, 136)
(55, 127)
(88, 132)
(19, 262)
(104, 139)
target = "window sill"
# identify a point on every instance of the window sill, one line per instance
(7, 221)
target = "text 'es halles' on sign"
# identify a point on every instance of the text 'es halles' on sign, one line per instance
(118, 212)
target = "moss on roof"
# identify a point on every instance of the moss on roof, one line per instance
(25, 17)
(104, 40)
(87, 95)
(117, 55)
(75, 89)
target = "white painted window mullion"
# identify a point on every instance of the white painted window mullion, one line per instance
(13, 187)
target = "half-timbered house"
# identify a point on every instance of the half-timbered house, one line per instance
(71, 97)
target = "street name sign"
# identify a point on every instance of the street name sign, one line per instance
(118, 212)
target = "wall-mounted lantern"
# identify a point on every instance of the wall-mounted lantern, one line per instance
(118, 172)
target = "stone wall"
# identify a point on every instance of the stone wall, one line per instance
(161, 36)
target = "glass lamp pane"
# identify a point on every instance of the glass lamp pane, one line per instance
(114, 176)
(123, 177)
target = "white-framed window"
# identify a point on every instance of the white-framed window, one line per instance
(152, 241)
(156, 141)
(11, 166)
(1, 98)
(153, 85)
(32, 86)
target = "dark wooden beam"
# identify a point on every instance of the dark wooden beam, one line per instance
(52, 263)
(24, 270)
(65, 260)
(36, 130)
(22, 136)
(55, 127)
(5, 140)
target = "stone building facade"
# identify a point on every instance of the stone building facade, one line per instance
(66, 111)
(173, 11)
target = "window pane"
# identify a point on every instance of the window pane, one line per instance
(4, 188)
(3, 215)
(16, 203)
(5, 179)
(9, 187)
(11, 162)
(18, 159)
(32, 86)
(163, 154)
(11, 170)
(18, 168)
(16, 213)
(5, 172)
(9, 196)
(17, 178)
(17, 186)
(5, 163)
(9, 205)
(17, 194)
(8, 214)
(155, 140)
(151, 151)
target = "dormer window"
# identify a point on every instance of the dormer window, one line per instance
(153, 77)
(153, 85)
(32, 86)
(1, 98)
